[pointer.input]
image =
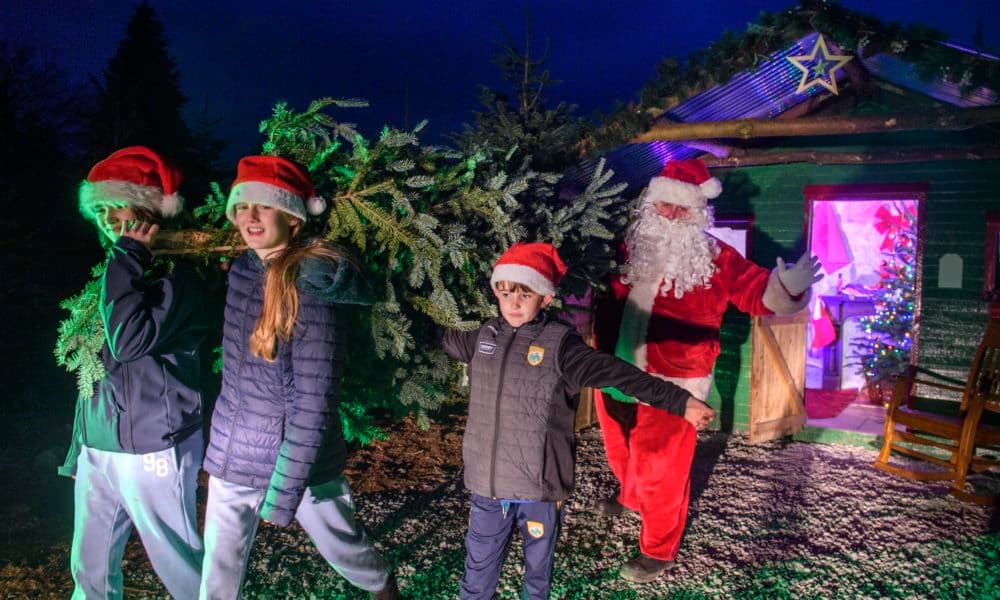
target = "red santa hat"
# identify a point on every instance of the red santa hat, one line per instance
(684, 183)
(276, 182)
(536, 265)
(134, 177)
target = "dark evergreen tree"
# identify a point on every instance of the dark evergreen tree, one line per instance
(140, 101)
(39, 129)
(521, 120)
(529, 142)
(203, 156)
(40, 228)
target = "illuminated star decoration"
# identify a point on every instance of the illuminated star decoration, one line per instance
(820, 69)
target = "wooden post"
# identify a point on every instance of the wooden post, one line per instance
(196, 241)
(580, 313)
(807, 126)
(753, 159)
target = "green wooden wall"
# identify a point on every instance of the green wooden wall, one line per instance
(951, 320)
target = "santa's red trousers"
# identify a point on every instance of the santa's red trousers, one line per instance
(650, 452)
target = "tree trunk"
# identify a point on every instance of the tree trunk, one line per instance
(196, 241)
(806, 126)
(740, 158)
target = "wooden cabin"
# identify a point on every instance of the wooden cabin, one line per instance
(805, 165)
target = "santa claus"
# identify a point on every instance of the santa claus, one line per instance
(663, 313)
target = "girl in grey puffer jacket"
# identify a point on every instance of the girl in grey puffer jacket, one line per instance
(276, 449)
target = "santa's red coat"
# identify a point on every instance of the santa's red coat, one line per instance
(682, 337)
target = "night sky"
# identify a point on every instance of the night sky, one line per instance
(241, 57)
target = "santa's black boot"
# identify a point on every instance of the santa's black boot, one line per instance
(611, 507)
(643, 569)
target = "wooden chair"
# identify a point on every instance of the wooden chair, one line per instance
(983, 392)
(955, 436)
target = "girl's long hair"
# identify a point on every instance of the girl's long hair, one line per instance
(281, 297)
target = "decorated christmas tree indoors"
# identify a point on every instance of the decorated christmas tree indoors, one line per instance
(885, 350)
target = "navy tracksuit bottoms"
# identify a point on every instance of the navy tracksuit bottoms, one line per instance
(491, 527)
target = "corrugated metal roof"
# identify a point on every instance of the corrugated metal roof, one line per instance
(763, 93)
(758, 94)
(903, 74)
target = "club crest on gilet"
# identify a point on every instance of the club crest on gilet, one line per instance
(535, 355)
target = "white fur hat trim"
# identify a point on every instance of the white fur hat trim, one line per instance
(122, 193)
(525, 276)
(666, 189)
(257, 192)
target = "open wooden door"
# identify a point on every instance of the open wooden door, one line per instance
(580, 313)
(778, 376)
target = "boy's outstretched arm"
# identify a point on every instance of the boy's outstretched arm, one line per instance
(459, 345)
(583, 366)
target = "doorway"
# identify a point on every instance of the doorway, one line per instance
(865, 311)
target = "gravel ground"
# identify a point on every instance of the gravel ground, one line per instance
(774, 520)
(781, 519)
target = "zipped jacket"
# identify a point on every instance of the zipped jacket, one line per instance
(524, 386)
(275, 426)
(154, 322)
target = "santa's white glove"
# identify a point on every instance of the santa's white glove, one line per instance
(799, 277)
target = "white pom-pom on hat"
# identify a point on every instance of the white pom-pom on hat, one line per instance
(711, 188)
(316, 205)
(171, 204)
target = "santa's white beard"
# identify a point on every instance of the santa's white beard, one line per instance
(675, 251)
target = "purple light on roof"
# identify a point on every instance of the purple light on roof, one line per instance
(901, 73)
(665, 151)
(762, 93)
(660, 150)
(966, 50)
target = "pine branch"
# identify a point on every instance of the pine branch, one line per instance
(81, 336)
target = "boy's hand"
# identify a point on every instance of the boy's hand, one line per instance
(139, 231)
(698, 413)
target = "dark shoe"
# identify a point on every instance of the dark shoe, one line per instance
(389, 592)
(611, 507)
(643, 569)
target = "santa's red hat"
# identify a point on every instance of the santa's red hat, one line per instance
(685, 183)
(536, 265)
(276, 182)
(134, 177)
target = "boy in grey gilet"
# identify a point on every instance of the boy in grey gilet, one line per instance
(525, 374)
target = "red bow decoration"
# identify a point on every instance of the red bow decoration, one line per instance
(887, 224)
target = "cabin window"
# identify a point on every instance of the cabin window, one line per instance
(735, 230)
